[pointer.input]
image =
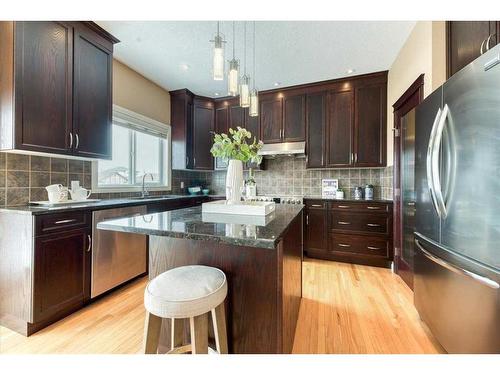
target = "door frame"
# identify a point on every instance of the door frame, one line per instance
(412, 97)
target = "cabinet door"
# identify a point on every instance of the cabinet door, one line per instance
(271, 117)
(252, 125)
(236, 117)
(340, 128)
(464, 42)
(221, 126)
(316, 230)
(92, 108)
(203, 125)
(60, 278)
(294, 118)
(316, 125)
(43, 86)
(370, 126)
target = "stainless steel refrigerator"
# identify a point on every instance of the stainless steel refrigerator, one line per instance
(457, 181)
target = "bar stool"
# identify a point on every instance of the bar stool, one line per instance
(188, 292)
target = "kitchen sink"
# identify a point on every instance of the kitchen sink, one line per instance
(151, 197)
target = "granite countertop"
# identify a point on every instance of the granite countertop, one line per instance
(376, 200)
(101, 204)
(190, 223)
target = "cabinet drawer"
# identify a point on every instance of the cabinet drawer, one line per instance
(315, 203)
(359, 222)
(366, 245)
(61, 221)
(361, 206)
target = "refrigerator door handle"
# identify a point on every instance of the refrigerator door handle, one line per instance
(429, 164)
(481, 279)
(436, 175)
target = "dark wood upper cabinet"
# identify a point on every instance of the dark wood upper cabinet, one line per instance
(60, 276)
(316, 129)
(236, 117)
(203, 126)
(43, 86)
(370, 126)
(466, 39)
(294, 118)
(56, 88)
(92, 96)
(340, 128)
(271, 116)
(221, 126)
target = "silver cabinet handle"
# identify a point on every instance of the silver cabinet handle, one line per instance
(187, 161)
(90, 243)
(344, 222)
(411, 204)
(481, 49)
(307, 219)
(373, 207)
(344, 245)
(373, 225)
(65, 221)
(340, 206)
(352, 157)
(70, 140)
(355, 157)
(77, 141)
(373, 248)
(481, 279)
(488, 42)
(316, 205)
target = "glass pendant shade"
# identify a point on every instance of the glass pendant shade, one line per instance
(232, 82)
(245, 92)
(253, 111)
(218, 58)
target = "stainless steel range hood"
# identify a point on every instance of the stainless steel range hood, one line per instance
(272, 150)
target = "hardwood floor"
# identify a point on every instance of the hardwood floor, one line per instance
(345, 309)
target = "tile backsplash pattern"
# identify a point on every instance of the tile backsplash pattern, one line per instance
(289, 176)
(24, 177)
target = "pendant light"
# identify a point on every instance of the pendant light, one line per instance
(253, 111)
(218, 55)
(245, 79)
(234, 65)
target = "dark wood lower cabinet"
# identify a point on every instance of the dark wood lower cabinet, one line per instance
(60, 277)
(349, 231)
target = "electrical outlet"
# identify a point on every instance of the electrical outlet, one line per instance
(182, 184)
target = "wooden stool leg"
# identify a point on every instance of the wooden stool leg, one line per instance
(199, 334)
(220, 332)
(152, 327)
(176, 332)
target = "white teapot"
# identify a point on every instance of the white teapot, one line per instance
(80, 193)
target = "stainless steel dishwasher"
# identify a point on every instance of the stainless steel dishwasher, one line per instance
(116, 257)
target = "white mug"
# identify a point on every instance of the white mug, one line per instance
(57, 193)
(80, 194)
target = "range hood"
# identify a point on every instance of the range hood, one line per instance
(272, 150)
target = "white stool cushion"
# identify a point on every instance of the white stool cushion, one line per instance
(185, 292)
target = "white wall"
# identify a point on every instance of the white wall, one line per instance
(423, 52)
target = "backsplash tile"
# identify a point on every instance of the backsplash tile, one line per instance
(289, 176)
(23, 178)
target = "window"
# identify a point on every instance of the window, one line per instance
(140, 146)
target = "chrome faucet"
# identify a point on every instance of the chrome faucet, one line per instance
(145, 191)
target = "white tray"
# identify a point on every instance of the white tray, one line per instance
(241, 208)
(69, 201)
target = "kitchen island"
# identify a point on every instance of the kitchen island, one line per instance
(262, 259)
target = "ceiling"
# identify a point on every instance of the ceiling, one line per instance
(177, 54)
